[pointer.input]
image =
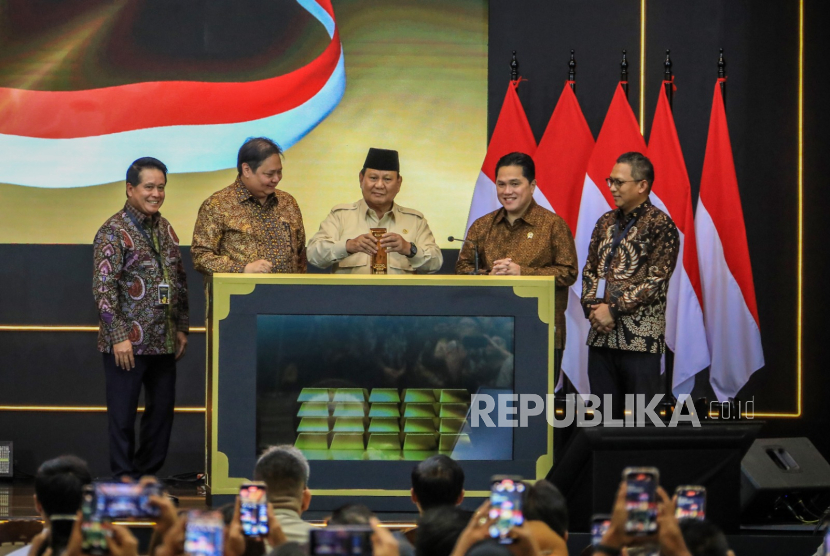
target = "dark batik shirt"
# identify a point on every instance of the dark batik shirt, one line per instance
(234, 229)
(540, 242)
(637, 279)
(126, 279)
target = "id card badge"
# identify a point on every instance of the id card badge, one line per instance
(601, 289)
(164, 294)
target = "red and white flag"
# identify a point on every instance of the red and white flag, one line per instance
(191, 125)
(511, 134)
(671, 192)
(562, 157)
(620, 133)
(730, 311)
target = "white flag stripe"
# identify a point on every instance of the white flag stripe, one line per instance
(541, 200)
(685, 329)
(735, 354)
(484, 200)
(575, 360)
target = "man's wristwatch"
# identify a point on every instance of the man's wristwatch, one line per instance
(412, 251)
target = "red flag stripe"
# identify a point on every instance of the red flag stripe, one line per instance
(617, 138)
(562, 157)
(671, 184)
(512, 132)
(108, 110)
(719, 194)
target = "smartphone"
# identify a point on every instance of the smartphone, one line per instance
(95, 530)
(641, 499)
(599, 525)
(253, 509)
(126, 500)
(691, 502)
(506, 495)
(340, 539)
(204, 535)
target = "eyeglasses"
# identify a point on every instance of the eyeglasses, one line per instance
(613, 182)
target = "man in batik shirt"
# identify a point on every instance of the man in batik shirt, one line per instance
(251, 226)
(632, 255)
(140, 288)
(523, 239)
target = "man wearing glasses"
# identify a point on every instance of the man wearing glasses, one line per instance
(631, 257)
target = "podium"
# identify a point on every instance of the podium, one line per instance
(368, 375)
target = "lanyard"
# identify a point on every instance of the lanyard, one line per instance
(155, 245)
(615, 243)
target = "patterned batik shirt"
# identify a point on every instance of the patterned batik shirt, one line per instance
(234, 229)
(540, 242)
(637, 277)
(126, 283)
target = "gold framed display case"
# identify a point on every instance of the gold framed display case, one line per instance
(369, 374)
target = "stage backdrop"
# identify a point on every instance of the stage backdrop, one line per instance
(191, 80)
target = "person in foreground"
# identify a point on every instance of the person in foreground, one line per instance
(251, 226)
(669, 537)
(345, 242)
(140, 289)
(285, 471)
(631, 257)
(523, 239)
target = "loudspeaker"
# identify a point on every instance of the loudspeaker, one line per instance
(784, 479)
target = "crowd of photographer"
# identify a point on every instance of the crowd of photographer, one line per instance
(518, 519)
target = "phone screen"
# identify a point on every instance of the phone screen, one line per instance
(95, 531)
(691, 503)
(125, 500)
(253, 509)
(347, 539)
(204, 535)
(599, 525)
(641, 502)
(506, 508)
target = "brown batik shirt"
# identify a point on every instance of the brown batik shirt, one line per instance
(540, 242)
(637, 277)
(234, 229)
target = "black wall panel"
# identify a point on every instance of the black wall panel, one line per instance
(760, 41)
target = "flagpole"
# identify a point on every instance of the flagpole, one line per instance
(514, 68)
(624, 74)
(572, 72)
(722, 75)
(667, 80)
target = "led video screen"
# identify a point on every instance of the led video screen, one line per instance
(359, 387)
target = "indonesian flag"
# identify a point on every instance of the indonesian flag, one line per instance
(562, 157)
(192, 126)
(620, 133)
(730, 311)
(671, 192)
(511, 134)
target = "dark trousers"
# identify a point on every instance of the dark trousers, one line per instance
(619, 372)
(157, 373)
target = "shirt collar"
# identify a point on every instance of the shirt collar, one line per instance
(242, 193)
(531, 215)
(140, 216)
(364, 209)
(638, 210)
